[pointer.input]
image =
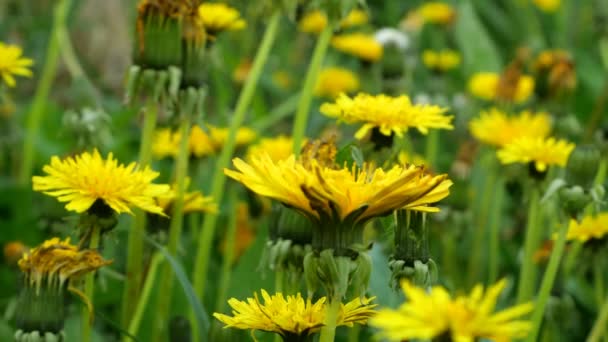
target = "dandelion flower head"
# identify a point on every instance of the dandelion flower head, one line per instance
(316, 21)
(590, 227)
(334, 81)
(543, 152)
(218, 17)
(436, 12)
(360, 45)
(497, 128)
(442, 60)
(12, 63)
(484, 85)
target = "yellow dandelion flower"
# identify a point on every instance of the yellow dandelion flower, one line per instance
(436, 12)
(495, 127)
(82, 180)
(165, 144)
(316, 21)
(219, 135)
(333, 81)
(484, 85)
(548, 6)
(291, 316)
(590, 227)
(54, 262)
(442, 60)
(543, 152)
(388, 114)
(325, 194)
(277, 148)
(200, 143)
(218, 17)
(465, 318)
(12, 63)
(360, 45)
(194, 201)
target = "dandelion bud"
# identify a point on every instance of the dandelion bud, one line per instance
(574, 199)
(582, 166)
(569, 127)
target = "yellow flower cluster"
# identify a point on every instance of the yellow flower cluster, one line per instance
(388, 114)
(12, 63)
(427, 315)
(200, 143)
(56, 262)
(590, 227)
(323, 193)
(543, 152)
(316, 21)
(442, 60)
(86, 178)
(334, 81)
(291, 315)
(218, 17)
(194, 201)
(485, 85)
(436, 12)
(495, 127)
(360, 45)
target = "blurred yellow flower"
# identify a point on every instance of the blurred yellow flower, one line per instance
(277, 148)
(218, 17)
(436, 12)
(543, 152)
(12, 63)
(323, 193)
(194, 201)
(316, 21)
(291, 316)
(427, 315)
(495, 127)
(360, 45)
(333, 81)
(219, 135)
(484, 85)
(87, 178)
(388, 114)
(590, 227)
(241, 72)
(442, 60)
(547, 5)
(556, 72)
(281, 79)
(165, 144)
(54, 262)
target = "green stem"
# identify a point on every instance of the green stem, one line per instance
(353, 333)
(301, 120)
(495, 221)
(432, 146)
(136, 233)
(163, 306)
(217, 188)
(89, 288)
(145, 296)
(547, 283)
(599, 327)
(527, 276)
(277, 114)
(598, 282)
(34, 117)
(228, 255)
(328, 332)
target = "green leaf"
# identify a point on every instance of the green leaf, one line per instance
(197, 306)
(349, 155)
(478, 51)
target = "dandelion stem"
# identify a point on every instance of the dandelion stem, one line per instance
(145, 296)
(328, 332)
(89, 287)
(34, 117)
(278, 113)
(432, 146)
(136, 233)
(547, 283)
(495, 221)
(301, 120)
(599, 327)
(217, 188)
(229, 248)
(598, 282)
(175, 230)
(527, 276)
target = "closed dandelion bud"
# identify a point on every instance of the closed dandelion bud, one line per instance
(582, 166)
(574, 199)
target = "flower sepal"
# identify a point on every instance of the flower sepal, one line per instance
(161, 84)
(36, 336)
(422, 274)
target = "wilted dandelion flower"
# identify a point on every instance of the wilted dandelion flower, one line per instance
(442, 60)
(316, 21)
(547, 5)
(360, 45)
(12, 63)
(543, 152)
(484, 85)
(436, 12)
(388, 114)
(291, 316)
(218, 17)
(495, 127)
(334, 81)
(427, 315)
(87, 178)
(590, 227)
(327, 195)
